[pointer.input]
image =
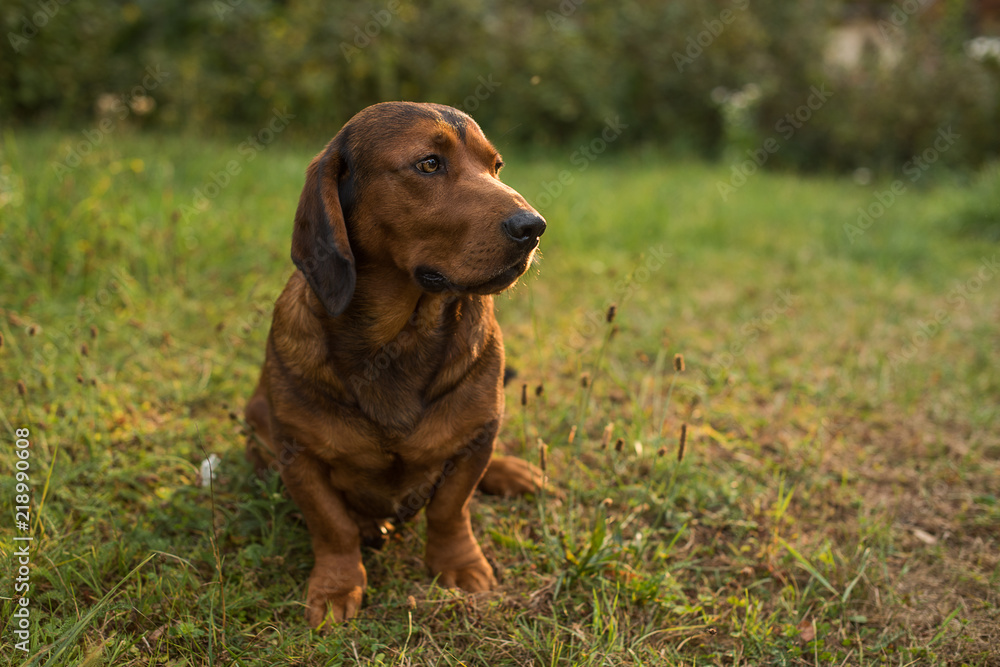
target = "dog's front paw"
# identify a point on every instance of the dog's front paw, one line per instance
(474, 578)
(334, 596)
(508, 476)
(459, 563)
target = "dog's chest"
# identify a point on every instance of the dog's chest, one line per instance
(389, 461)
(379, 473)
(394, 387)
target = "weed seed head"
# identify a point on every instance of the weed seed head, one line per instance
(539, 390)
(22, 389)
(584, 380)
(93, 332)
(679, 363)
(32, 330)
(619, 445)
(572, 434)
(606, 438)
(524, 394)
(84, 350)
(612, 311)
(683, 442)
(543, 456)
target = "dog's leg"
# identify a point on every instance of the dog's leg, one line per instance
(338, 579)
(452, 552)
(508, 476)
(260, 449)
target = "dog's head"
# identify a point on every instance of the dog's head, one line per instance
(415, 187)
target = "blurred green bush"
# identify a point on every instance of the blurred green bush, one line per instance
(979, 213)
(541, 73)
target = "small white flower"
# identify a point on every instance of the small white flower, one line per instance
(209, 469)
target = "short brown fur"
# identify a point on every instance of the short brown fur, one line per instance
(381, 391)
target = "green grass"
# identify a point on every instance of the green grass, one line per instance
(837, 502)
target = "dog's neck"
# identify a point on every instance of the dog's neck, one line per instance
(396, 348)
(391, 309)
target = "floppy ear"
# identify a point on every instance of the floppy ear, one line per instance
(320, 247)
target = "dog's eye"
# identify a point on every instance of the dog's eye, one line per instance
(429, 164)
(498, 166)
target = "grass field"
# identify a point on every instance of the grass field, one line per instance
(837, 503)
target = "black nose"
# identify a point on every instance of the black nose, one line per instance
(524, 227)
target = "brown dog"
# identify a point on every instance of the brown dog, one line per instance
(381, 390)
